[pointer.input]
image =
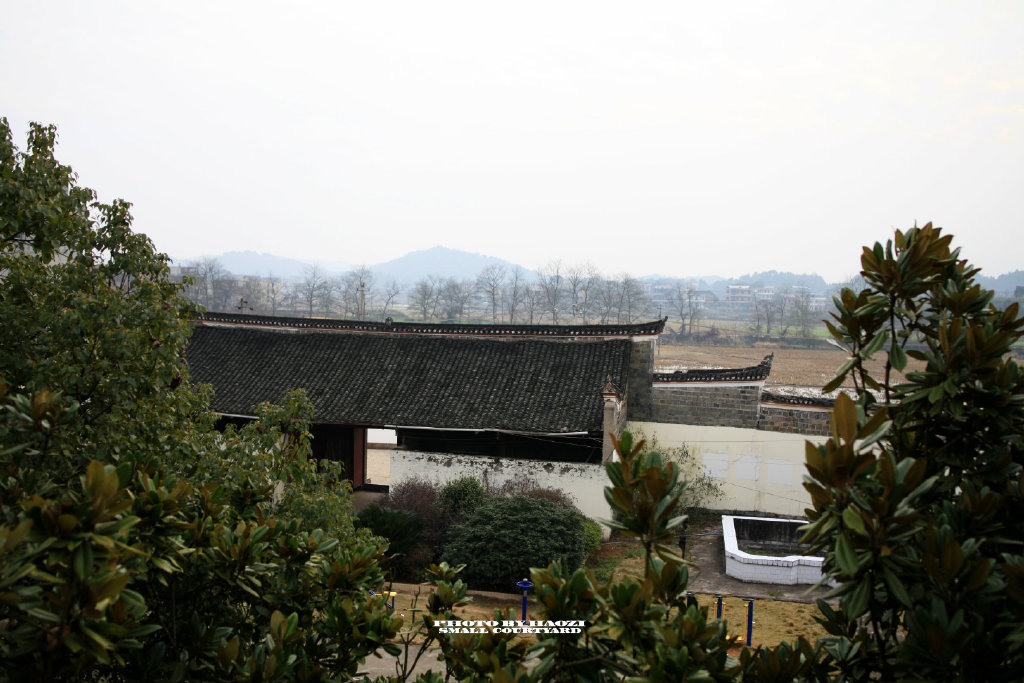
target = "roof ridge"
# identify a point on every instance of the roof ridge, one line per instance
(752, 373)
(820, 401)
(477, 329)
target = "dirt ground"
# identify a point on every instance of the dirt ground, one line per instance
(791, 367)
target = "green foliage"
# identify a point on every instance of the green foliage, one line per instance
(461, 496)
(271, 459)
(503, 538)
(646, 498)
(918, 493)
(591, 537)
(636, 630)
(135, 542)
(419, 497)
(400, 528)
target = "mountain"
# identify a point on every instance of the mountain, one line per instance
(442, 261)
(260, 264)
(1002, 284)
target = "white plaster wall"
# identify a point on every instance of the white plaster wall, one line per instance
(761, 471)
(788, 570)
(583, 482)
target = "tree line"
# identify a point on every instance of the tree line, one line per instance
(556, 294)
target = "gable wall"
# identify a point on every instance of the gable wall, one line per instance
(641, 372)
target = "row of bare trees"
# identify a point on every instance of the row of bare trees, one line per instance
(782, 311)
(354, 294)
(558, 294)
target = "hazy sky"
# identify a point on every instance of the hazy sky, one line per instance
(684, 138)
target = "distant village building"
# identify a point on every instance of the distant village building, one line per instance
(738, 294)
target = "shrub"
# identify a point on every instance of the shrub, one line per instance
(503, 538)
(591, 537)
(419, 497)
(461, 496)
(531, 489)
(401, 528)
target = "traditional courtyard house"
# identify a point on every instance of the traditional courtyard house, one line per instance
(500, 401)
(505, 402)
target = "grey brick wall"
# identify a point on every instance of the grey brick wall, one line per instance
(794, 420)
(717, 406)
(641, 369)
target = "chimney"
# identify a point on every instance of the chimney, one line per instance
(612, 413)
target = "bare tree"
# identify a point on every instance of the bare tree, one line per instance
(695, 305)
(423, 298)
(213, 283)
(779, 304)
(532, 300)
(552, 288)
(515, 291)
(580, 281)
(679, 298)
(455, 297)
(274, 293)
(330, 293)
(309, 289)
(254, 294)
(490, 282)
(391, 290)
(357, 292)
(607, 300)
(633, 302)
(758, 311)
(801, 313)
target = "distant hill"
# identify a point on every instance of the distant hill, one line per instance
(1002, 284)
(259, 264)
(442, 261)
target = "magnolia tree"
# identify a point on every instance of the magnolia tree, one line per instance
(136, 542)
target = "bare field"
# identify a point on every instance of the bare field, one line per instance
(791, 367)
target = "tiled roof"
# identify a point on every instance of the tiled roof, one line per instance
(768, 397)
(751, 374)
(391, 327)
(529, 384)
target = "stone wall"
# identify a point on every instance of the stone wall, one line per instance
(641, 370)
(718, 405)
(796, 420)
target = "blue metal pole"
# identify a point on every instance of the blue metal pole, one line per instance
(750, 618)
(526, 585)
(718, 607)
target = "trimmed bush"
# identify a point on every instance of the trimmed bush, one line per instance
(503, 538)
(460, 496)
(531, 489)
(591, 537)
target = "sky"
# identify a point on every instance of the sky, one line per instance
(680, 138)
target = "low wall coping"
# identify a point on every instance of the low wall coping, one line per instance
(734, 554)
